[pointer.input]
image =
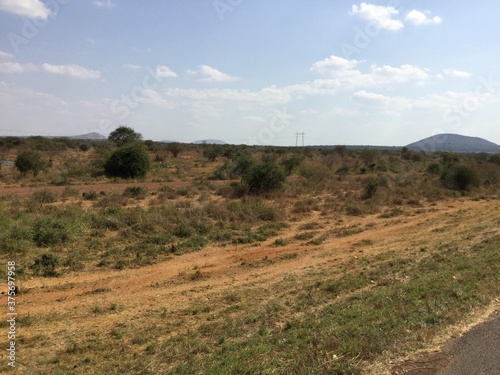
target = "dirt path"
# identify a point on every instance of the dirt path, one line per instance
(27, 190)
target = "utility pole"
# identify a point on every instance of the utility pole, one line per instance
(297, 139)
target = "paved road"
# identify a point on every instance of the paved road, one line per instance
(478, 351)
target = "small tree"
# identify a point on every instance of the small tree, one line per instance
(291, 163)
(30, 161)
(211, 153)
(264, 177)
(175, 148)
(128, 161)
(123, 135)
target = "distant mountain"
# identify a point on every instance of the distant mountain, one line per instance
(210, 142)
(454, 143)
(92, 136)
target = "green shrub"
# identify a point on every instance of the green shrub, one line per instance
(138, 192)
(129, 161)
(212, 152)
(434, 168)
(264, 177)
(90, 196)
(30, 161)
(343, 171)
(291, 163)
(370, 187)
(175, 148)
(50, 230)
(460, 177)
(44, 196)
(495, 158)
(46, 265)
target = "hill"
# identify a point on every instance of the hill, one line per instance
(209, 142)
(454, 143)
(93, 135)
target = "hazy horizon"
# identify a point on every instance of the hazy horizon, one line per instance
(385, 73)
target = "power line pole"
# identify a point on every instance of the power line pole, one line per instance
(297, 139)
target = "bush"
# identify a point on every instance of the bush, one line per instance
(495, 158)
(84, 147)
(460, 177)
(264, 177)
(44, 196)
(211, 153)
(90, 196)
(30, 161)
(434, 168)
(129, 161)
(291, 163)
(175, 148)
(370, 187)
(46, 265)
(50, 230)
(137, 192)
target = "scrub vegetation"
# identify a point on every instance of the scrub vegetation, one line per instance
(142, 257)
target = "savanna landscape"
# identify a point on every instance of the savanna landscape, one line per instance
(142, 257)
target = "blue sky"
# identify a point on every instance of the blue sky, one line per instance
(251, 71)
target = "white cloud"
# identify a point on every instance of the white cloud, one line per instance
(255, 119)
(333, 64)
(153, 97)
(5, 55)
(131, 66)
(26, 8)
(365, 97)
(342, 75)
(210, 74)
(449, 100)
(457, 73)
(422, 18)
(382, 16)
(163, 71)
(71, 70)
(373, 99)
(104, 4)
(405, 73)
(10, 68)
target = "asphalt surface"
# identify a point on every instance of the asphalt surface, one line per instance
(477, 352)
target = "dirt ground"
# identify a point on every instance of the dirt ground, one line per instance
(71, 297)
(24, 191)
